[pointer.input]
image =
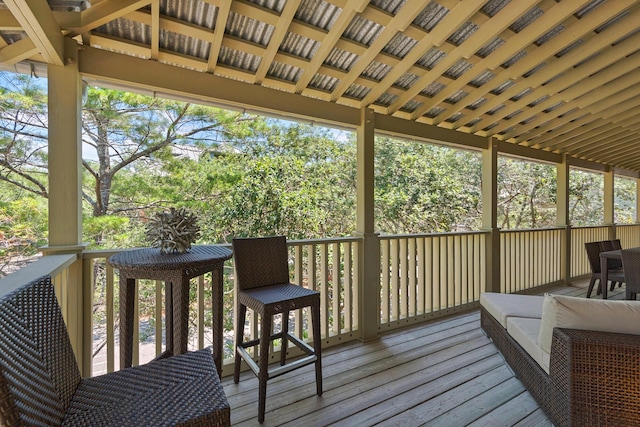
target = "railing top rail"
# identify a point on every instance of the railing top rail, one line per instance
(46, 265)
(531, 230)
(324, 241)
(413, 236)
(105, 253)
(586, 227)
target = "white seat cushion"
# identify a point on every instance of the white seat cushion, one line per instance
(503, 306)
(587, 314)
(525, 332)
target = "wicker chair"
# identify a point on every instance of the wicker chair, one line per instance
(40, 382)
(614, 264)
(631, 264)
(262, 284)
(615, 275)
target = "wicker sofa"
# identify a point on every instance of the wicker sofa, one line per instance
(591, 374)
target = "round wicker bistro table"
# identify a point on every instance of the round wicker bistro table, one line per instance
(176, 270)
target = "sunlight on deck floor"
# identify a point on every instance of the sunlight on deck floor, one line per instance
(440, 373)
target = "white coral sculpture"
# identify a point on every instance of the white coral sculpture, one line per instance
(173, 231)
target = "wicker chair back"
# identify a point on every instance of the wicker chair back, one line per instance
(38, 370)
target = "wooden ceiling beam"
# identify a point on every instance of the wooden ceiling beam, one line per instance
(568, 36)
(37, 20)
(554, 14)
(398, 23)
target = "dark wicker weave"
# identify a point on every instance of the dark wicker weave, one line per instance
(631, 264)
(40, 383)
(594, 377)
(615, 274)
(175, 270)
(262, 279)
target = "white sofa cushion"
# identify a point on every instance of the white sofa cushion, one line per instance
(525, 332)
(503, 306)
(582, 313)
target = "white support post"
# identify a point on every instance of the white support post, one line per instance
(609, 202)
(369, 253)
(65, 190)
(562, 216)
(490, 214)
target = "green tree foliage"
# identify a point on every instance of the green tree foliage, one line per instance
(422, 188)
(526, 194)
(23, 226)
(23, 133)
(126, 129)
(625, 200)
(290, 179)
(586, 192)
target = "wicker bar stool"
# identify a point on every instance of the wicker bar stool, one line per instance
(263, 285)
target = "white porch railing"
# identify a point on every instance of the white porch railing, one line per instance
(326, 265)
(530, 258)
(580, 236)
(424, 276)
(421, 277)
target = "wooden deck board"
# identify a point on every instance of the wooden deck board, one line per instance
(442, 373)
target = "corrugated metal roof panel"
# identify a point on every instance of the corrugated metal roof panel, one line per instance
(494, 6)
(489, 48)
(458, 69)
(502, 87)
(456, 97)
(431, 58)
(521, 94)
(391, 6)
(463, 33)
(195, 12)
(431, 16)
(477, 103)
(548, 36)
(434, 112)
(363, 31)
(589, 8)
(376, 71)
(495, 109)
(300, 46)
(526, 20)
(406, 80)
(318, 13)
(515, 58)
(538, 101)
(456, 117)
(275, 5)
(400, 45)
(284, 72)
(386, 99)
(323, 82)
(240, 60)
(357, 91)
(432, 89)
(127, 29)
(249, 29)
(341, 59)
(512, 115)
(482, 79)
(181, 43)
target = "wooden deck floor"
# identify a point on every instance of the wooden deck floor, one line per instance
(441, 373)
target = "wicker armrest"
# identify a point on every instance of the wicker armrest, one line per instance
(595, 377)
